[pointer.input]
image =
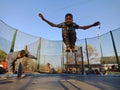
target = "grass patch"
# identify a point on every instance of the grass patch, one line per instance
(112, 73)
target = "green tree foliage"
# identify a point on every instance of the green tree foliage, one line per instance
(93, 55)
(2, 55)
(109, 60)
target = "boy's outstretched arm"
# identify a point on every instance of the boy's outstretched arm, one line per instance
(50, 23)
(89, 26)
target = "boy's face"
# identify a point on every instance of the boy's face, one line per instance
(20, 55)
(68, 20)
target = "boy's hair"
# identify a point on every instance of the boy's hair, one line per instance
(69, 14)
(23, 52)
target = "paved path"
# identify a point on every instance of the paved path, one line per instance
(61, 82)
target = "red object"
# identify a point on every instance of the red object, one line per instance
(4, 65)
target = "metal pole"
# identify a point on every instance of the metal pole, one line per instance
(76, 62)
(62, 57)
(38, 54)
(13, 41)
(115, 50)
(100, 45)
(87, 54)
(67, 62)
(81, 52)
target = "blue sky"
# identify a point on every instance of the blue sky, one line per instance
(23, 15)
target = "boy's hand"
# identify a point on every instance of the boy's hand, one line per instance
(96, 23)
(40, 15)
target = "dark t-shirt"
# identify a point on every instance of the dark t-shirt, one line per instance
(72, 26)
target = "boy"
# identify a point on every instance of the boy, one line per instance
(68, 30)
(12, 58)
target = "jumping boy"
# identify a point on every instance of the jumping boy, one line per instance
(68, 30)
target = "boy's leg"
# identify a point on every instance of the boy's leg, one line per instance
(73, 40)
(65, 36)
(13, 65)
(10, 66)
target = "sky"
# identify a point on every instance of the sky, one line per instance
(23, 15)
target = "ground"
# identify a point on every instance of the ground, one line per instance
(61, 82)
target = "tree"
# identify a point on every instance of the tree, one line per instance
(93, 55)
(2, 55)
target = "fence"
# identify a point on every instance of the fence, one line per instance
(103, 49)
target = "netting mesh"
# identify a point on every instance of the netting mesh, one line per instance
(6, 36)
(53, 52)
(51, 47)
(24, 41)
(94, 50)
(116, 39)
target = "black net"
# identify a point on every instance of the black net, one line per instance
(49, 53)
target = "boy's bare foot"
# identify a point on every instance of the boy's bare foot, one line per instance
(67, 49)
(74, 50)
